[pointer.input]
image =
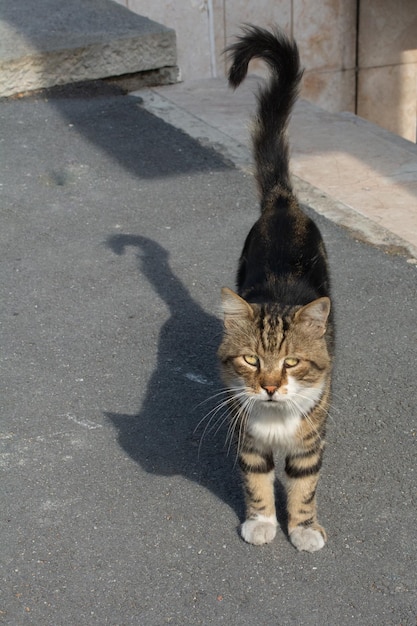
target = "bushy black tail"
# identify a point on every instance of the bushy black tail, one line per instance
(275, 101)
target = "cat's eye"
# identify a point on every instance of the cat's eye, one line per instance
(290, 361)
(251, 359)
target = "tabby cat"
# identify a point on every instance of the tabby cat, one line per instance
(276, 351)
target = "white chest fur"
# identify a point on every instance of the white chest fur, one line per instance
(275, 424)
(273, 428)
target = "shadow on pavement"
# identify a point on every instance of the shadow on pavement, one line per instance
(162, 437)
(118, 126)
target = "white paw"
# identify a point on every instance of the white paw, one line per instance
(306, 539)
(260, 530)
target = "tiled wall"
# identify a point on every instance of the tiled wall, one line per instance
(325, 35)
(387, 78)
(326, 31)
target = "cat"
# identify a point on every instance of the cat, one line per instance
(277, 345)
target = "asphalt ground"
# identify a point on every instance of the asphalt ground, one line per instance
(117, 232)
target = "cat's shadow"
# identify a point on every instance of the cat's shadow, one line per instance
(162, 437)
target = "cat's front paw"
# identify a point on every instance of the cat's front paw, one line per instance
(260, 530)
(308, 539)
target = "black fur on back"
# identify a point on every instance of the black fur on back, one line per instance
(283, 259)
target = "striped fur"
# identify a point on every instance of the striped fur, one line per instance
(276, 352)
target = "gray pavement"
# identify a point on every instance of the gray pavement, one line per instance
(117, 233)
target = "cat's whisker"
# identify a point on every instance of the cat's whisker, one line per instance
(210, 398)
(243, 419)
(216, 421)
(242, 423)
(235, 419)
(325, 409)
(224, 402)
(213, 417)
(225, 417)
(213, 410)
(307, 417)
(231, 433)
(237, 427)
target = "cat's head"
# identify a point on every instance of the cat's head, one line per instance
(274, 355)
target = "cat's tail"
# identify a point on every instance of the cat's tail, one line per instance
(275, 100)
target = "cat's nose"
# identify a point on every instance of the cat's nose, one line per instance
(270, 389)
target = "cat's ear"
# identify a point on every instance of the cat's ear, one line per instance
(314, 316)
(234, 307)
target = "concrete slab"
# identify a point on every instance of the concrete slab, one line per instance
(361, 176)
(52, 42)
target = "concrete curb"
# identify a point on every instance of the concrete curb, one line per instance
(361, 227)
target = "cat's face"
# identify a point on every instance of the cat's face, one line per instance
(279, 363)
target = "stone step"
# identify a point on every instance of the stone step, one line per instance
(44, 43)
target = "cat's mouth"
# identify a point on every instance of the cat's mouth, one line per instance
(273, 395)
(275, 399)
